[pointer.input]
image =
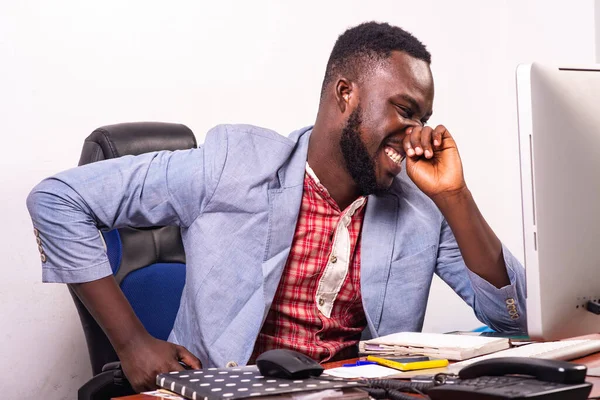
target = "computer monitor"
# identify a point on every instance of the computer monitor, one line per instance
(559, 136)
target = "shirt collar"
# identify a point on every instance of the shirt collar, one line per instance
(351, 209)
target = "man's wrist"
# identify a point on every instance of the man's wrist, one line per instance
(448, 201)
(130, 339)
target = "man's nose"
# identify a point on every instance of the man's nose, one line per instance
(414, 124)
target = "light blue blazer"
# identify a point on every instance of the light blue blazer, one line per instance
(236, 199)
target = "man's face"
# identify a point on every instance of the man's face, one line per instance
(396, 96)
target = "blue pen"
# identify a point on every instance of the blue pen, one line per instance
(359, 362)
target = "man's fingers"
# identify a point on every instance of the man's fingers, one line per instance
(408, 150)
(421, 141)
(188, 358)
(426, 138)
(415, 140)
(438, 136)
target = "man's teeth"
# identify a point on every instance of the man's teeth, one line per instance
(393, 155)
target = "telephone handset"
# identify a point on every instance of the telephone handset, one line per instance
(516, 378)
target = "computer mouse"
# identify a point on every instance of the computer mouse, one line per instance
(287, 364)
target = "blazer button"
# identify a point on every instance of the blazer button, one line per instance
(43, 257)
(36, 232)
(231, 364)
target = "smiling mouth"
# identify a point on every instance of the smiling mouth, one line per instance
(393, 155)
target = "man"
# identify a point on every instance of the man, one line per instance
(305, 242)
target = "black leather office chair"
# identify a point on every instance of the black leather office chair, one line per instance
(148, 264)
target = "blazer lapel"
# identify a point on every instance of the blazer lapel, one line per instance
(377, 246)
(284, 207)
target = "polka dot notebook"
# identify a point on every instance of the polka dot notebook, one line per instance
(239, 383)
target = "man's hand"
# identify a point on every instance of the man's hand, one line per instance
(433, 162)
(142, 356)
(145, 358)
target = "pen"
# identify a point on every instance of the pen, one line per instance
(359, 362)
(409, 366)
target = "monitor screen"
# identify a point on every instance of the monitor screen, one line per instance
(559, 139)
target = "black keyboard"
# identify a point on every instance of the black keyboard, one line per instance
(508, 387)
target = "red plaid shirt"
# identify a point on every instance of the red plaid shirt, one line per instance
(294, 321)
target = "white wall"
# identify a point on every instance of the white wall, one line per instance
(597, 24)
(67, 67)
(474, 66)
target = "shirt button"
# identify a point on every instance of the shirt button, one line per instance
(43, 257)
(36, 232)
(41, 249)
(321, 301)
(38, 240)
(333, 259)
(231, 364)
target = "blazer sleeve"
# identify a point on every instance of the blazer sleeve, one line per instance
(153, 189)
(502, 309)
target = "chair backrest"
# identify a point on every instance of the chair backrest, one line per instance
(148, 263)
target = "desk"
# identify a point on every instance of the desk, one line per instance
(591, 361)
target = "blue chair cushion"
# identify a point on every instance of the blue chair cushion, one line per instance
(114, 250)
(154, 292)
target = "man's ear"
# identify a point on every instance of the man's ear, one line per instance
(345, 94)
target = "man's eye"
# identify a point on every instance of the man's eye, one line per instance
(405, 112)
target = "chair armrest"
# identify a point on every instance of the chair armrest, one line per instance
(111, 382)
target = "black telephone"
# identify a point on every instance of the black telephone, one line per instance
(516, 378)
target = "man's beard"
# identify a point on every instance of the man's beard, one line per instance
(359, 163)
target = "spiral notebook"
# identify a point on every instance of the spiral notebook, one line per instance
(241, 383)
(438, 345)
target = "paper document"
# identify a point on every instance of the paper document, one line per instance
(362, 371)
(437, 345)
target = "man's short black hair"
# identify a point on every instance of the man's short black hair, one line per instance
(360, 47)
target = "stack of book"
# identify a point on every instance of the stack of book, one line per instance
(245, 382)
(436, 345)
